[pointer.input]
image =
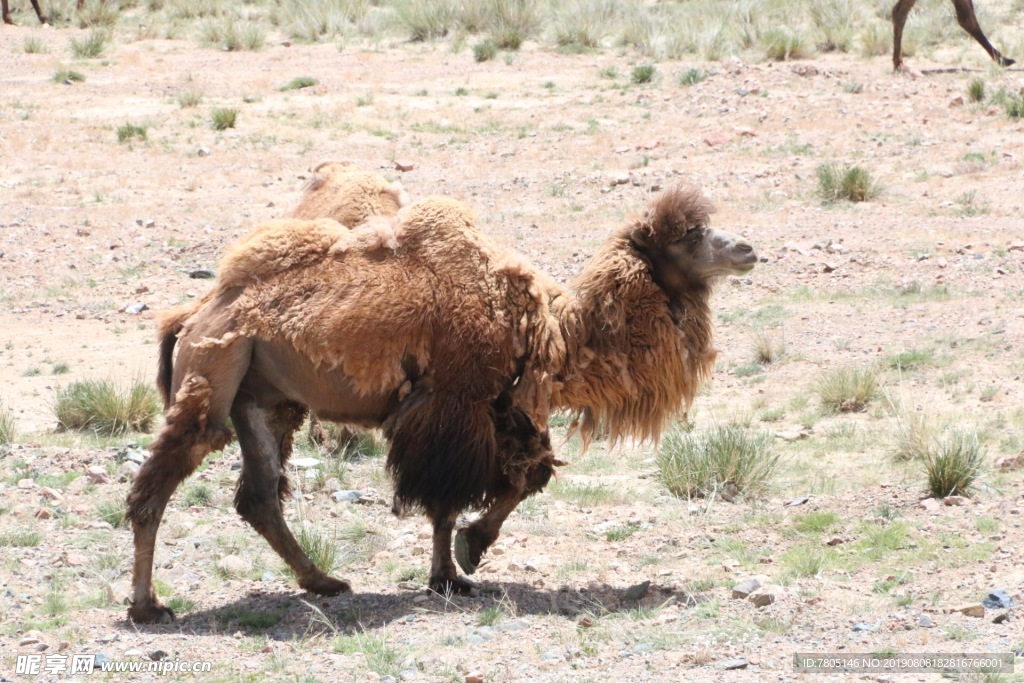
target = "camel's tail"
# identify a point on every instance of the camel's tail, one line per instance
(171, 325)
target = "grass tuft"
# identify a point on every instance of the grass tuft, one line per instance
(953, 464)
(299, 82)
(1014, 105)
(33, 46)
(108, 409)
(129, 132)
(852, 183)
(378, 655)
(976, 90)
(485, 50)
(703, 463)
(425, 19)
(326, 553)
(693, 76)
(782, 45)
(198, 494)
(91, 46)
(847, 390)
(223, 118)
(769, 346)
(8, 428)
(113, 512)
(67, 76)
(644, 73)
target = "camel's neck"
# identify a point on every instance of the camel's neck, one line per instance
(642, 356)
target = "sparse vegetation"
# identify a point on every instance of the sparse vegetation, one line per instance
(848, 390)
(692, 76)
(642, 74)
(33, 46)
(67, 76)
(299, 82)
(8, 425)
(91, 46)
(379, 655)
(196, 494)
(323, 551)
(731, 459)
(851, 183)
(769, 345)
(223, 118)
(113, 512)
(976, 90)
(953, 464)
(105, 407)
(485, 50)
(130, 131)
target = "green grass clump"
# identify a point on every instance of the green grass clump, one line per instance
(485, 50)
(781, 45)
(847, 390)
(222, 119)
(33, 46)
(693, 76)
(953, 463)
(130, 131)
(425, 19)
(816, 522)
(197, 494)
(852, 183)
(113, 512)
(106, 408)
(8, 426)
(20, 539)
(644, 73)
(299, 82)
(1014, 105)
(378, 655)
(912, 359)
(67, 76)
(585, 23)
(976, 90)
(90, 46)
(325, 552)
(769, 346)
(702, 463)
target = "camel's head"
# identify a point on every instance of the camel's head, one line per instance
(684, 252)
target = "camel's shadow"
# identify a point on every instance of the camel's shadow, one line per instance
(290, 616)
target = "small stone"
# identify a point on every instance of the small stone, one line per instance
(585, 622)
(620, 178)
(1009, 462)
(202, 274)
(1002, 618)
(28, 640)
(744, 588)
(304, 463)
(126, 471)
(268, 576)
(404, 165)
(972, 609)
(512, 625)
(732, 664)
(998, 599)
(954, 500)
(862, 627)
(25, 484)
(957, 101)
(97, 475)
(234, 566)
(925, 621)
(50, 494)
(834, 541)
(474, 677)
(929, 504)
(133, 653)
(346, 496)
(44, 513)
(797, 501)
(421, 598)
(135, 309)
(203, 151)
(636, 592)
(716, 138)
(762, 598)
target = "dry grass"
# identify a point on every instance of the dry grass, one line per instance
(953, 464)
(847, 390)
(724, 457)
(105, 407)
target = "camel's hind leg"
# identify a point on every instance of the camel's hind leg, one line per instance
(191, 432)
(265, 436)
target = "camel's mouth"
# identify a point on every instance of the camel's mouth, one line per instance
(744, 258)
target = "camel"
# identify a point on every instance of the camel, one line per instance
(39, 12)
(964, 16)
(419, 324)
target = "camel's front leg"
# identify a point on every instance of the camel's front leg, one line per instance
(444, 577)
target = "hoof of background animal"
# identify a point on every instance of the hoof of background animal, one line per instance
(456, 586)
(325, 585)
(467, 557)
(150, 613)
(1006, 61)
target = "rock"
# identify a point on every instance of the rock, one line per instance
(203, 151)
(50, 494)
(744, 588)
(234, 566)
(957, 101)
(43, 513)
(762, 598)
(404, 165)
(97, 475)
(135, 309)
(792, 434)
(925, 621)
(732, 664)
(620, 178)
(474, 677)
(863, 628)
(1002, 618)
(158, 655)
(100, 659)
(636, 592)
(202, 274)
(971, 609)
(28, 640)
(929, 504)
(304, 463)
(134, 652)
(421, 598)
(797, 501)
(25, 484)
(126, 471)
(346, 496)
(333, 484)
(998, 599)
(512, 625)
(834, 541)
(268, 576)
(585, 622)
(1009, 462)
(716, 138)
(954, 500)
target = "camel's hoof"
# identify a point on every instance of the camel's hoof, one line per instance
(462, 555)
(325, 585)
(150, 613)
(456, 586)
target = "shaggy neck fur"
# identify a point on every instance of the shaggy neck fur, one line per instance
(643, 353)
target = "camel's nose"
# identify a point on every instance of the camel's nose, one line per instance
(744, 247)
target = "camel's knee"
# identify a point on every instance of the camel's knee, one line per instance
(258, 502)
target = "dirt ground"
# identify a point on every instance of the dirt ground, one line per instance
(552, 151)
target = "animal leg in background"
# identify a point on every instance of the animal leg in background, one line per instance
(965, 17)
(265, 436)
(35, 5)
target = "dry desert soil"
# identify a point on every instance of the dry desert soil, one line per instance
(922, 286)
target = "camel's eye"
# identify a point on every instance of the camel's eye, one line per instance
(694, 235)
